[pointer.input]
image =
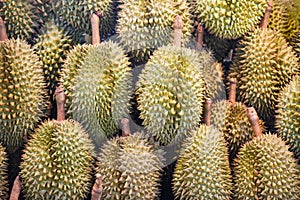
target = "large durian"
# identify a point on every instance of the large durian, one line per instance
(170, 93)
(264, 64)
(130, 167)
(202, 170)
(228, 19)
(21, 92)
(57, 162)
(3, 174)
(288, 115)
(145, 25)
(266, 169)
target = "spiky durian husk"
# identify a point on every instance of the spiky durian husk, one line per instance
(264, 64)
(101, 90)
(228, 19)
(145, 25)
(173, 79)
(3, 174)
(43, 8)
(21, 92)
(288, 115)
(265, 169)
(51, 47)
(202, 170)
(57, 162)
(295, 42)
(213, 77)
(130, 167)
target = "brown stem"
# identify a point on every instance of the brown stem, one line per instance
(178, 26)
(200, 33)
(97, 188)
(16, 189)
(3, 34)
(264, 22)
(60, 102)
(125, 126)
(207, 111)
(232, 90)
(95, 22)
(254, 120)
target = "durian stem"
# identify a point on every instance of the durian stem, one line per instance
(125, 126)
(265, 20)
(207, 111)
(254, 120)
(60, 102)
(97, 188)
(232, 90)
(178, 26)
(95, 22)
(3, 34)
(16, 189)
(200, 33)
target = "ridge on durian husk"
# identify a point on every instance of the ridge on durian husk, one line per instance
(228, 19)
(22, 90)
(263, 65)
(145, 25)
(101, 88)
(173, 78)
(57, 162)
(130, 167)
(266, 169)
(288, 115)
(3, 174)
(202, 170)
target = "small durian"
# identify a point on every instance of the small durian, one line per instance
(3, 174)
(57, 162)
(202, 170)
(131, 168)
(288, 115)
(22, 89)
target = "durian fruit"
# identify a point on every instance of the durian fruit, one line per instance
(202, 170)
(130, 167)
(288, 115)
(57, 162)
(145, 25)
(213, 78)
(3, 174)
(170, 93)
(295, 42)
(264, 63)
(266, 169)
(228, 19)
(21, 92)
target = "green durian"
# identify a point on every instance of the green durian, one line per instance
(3, 174)
(22, 90)
(57, 162)
(202, 170)
(288, 115)
(266, 169)
(145, 25)
(228, 19)
(263, 65)
(130, 167)
(170, 93)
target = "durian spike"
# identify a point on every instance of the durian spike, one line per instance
(207, 111)
(264, 22)
(3, 34)
(178, 26)
(200, 33)
(125, 127)
(95, 22)
(60, 102)
(97, 188)
(254, 120)
(232, 90)
(16, 189)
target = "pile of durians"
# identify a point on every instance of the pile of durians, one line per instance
(217, 79)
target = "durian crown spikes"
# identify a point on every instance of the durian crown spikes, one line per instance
(3, 33)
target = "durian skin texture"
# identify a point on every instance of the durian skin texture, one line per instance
(202, 170)
(266, 169)
(131, 168)
(22, 90)
(288, 115)
(3, 174)
(57, 162)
